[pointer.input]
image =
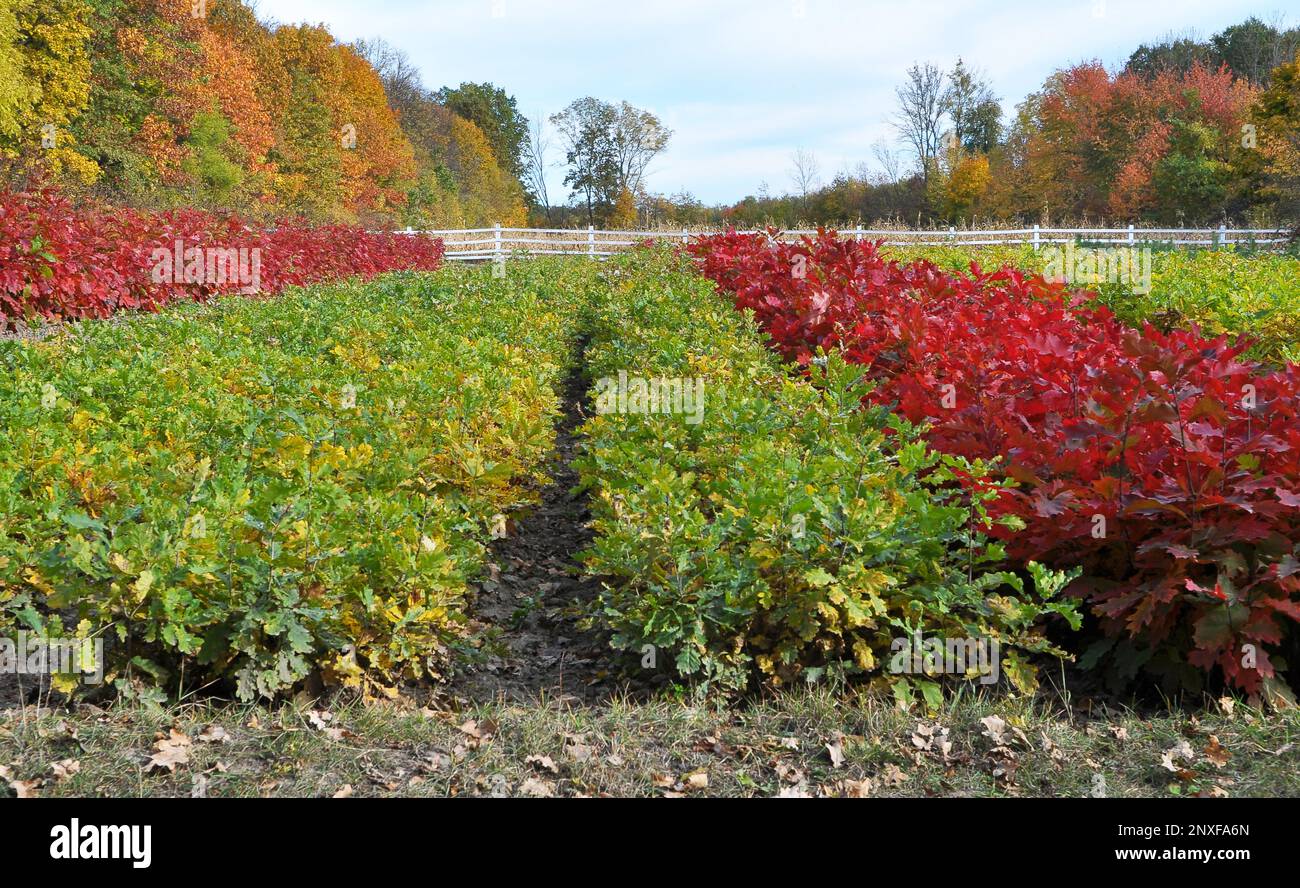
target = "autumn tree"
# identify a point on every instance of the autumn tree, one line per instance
(496, 115)
(1273, 154)
(608, 149)
(47, 86)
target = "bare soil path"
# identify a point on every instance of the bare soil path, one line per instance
(529, 608)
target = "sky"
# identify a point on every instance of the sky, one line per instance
(744, 83)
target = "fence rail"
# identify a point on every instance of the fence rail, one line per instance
(486, 244)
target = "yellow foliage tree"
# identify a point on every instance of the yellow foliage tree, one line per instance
(15, 91)
(487, 193)
(1277, 113)
(960, 182)
(48, 50)
(623, 215)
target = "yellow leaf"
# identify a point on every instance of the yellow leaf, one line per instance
(142, 585)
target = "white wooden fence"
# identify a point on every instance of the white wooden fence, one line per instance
(487, 244)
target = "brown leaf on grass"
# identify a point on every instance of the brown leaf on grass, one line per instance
(65, 769)
(214, 734)
(1216, 753)
(696, 780)
(835, 749)
(479, 732)
(320, 720)
(1180, 750)
(344, 791)
(26, 789)
(932, 738)
(788, 773)
(170, 751)
(543, 763)
(663, 781)
(1119, 732)
(892, 775)
(1054, 752)
(995, 729)
(576, 748)
(794, 792)
(1228, 706)
(538, 789)
(199, 788)
(856, 789)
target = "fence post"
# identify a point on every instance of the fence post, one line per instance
(591, 241)
(1223, 236)
(952, 233)
(1036, 239)
(496, 251)
(1130, 236)
(685, 236)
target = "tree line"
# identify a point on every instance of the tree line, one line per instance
(1188, 132)
(174, 103)
(199, 103)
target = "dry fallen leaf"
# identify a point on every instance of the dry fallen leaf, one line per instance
(857, 789)
(214, 734)
(994, 728)
(789, 773)
(835, 749)
(1180, 750)
(65, 769)
(170, 751)
(794, 792)
(343, 792)
(479, 732)
(1216, 753)
(538, 789)
(26, 789)
(543, 763)
(696, 780)
(576, 750)
(892, 775)
(1054, 752)
(320, 720)
(932, 738)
